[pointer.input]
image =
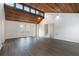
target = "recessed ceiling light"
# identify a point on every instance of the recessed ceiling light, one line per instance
(39, 18)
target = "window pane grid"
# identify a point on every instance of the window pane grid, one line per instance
(42, 14)
(19, 6)
(10, 4)
(26, 8)
(33, 11)
(37, 12)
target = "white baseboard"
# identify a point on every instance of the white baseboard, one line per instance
(69, 40)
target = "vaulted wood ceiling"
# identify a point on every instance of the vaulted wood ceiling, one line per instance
(13, 14)
(56, 7)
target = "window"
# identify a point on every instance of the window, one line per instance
(37, 12)
(19, 6)
(21, 28)
(26, 8)
(33, 11)
(28, 27)
(10, 4)
(42, 14)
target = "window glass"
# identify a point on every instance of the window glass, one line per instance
(41, 14)
(37, 12)
(33, 11)
(28, 27)
(26, 8)
(10, 4)
(19, 6)
(21, 28)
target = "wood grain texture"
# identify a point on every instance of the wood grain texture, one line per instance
(39, 47)
(13, 14)
(56, 7)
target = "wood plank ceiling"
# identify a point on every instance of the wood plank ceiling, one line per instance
(56, 7)
(15, 15)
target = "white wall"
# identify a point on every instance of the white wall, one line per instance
(15, 29)
(2, 19)
(64, 28)
(41, 30)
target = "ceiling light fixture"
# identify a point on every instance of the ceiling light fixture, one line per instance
(39, 18)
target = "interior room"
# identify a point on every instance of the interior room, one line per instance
(39, 29)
